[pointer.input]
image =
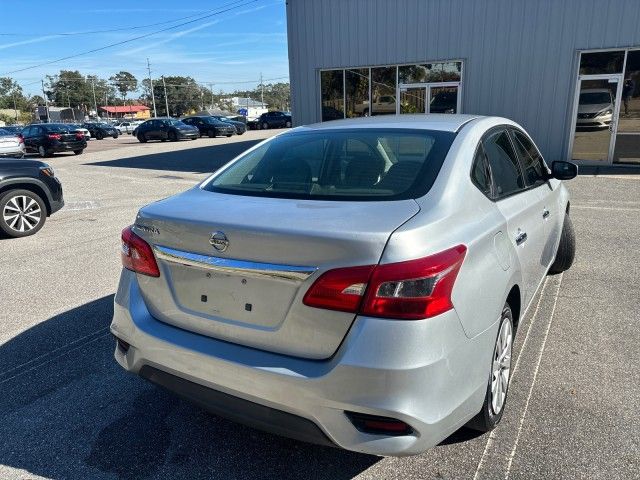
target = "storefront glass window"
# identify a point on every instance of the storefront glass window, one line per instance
(357, 92)
(430, 72)
(595, 63)
(383, 91)
(332, 88)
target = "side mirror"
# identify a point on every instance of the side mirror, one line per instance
(564, 170)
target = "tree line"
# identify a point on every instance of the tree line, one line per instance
(70, 88)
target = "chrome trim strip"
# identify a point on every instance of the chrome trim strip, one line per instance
(233, 266)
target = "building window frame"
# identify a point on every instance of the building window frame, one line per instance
(458, 83)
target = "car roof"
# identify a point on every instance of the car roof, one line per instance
(433, 121)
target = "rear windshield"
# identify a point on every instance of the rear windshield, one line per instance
(356, 164)
(55, 128)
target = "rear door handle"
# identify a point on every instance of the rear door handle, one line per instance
(521, 238)
(546, 213)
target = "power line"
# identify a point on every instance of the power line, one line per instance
(110, 30)
(231, 6)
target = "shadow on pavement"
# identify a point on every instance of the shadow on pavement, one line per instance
(67, 410)
(199, 160)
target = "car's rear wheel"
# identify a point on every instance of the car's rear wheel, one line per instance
(99, 136)
(496, 394)
(78, 152)
(228, 135)
(265, 126)
(211, 133)
(22, 213)
(43, 152)
(173, 137)
(566, 248)
(142, 138)
(287, 124)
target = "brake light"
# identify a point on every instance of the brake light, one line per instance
(137, 255)
(409, 290)
(341, 289)
(79, 135)
(54, 136)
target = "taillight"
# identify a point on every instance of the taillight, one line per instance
(137, 255)
(54, 136)
(340, 289)
(79, 135)
(409, 290)
(20, 139)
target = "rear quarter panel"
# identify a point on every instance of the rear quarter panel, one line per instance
(455, 212)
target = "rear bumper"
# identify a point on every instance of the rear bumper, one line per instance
(426, 373)
(68, 146)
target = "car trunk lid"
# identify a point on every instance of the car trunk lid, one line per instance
(249, 291)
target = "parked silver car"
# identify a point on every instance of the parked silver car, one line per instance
(355, 283)
(11, 144)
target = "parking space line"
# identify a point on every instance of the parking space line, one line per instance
(96, 335)
(524, 343)
(533, 382)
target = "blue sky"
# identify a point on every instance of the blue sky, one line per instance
(227, 49)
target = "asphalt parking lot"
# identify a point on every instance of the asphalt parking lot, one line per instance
(67, 410)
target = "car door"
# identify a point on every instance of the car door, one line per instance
(536, 175)
(520, 206)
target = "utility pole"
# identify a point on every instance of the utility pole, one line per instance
(166, 100)
(211, 90)
(153, 97)
(106, 102)
(46, 102)
(261, 91)
(15, 106)
(95, 103)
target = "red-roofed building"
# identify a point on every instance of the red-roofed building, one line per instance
(127, 111)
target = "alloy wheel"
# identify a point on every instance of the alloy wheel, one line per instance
(501, 368)
(41, 151)
(22, 213)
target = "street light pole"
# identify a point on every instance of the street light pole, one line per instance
(153, 97)
(95, 103)
(166, 100)
(46, 102)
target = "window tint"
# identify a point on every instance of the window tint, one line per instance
(480, 173)
(372, 164)
(503, 161)
(532, 163)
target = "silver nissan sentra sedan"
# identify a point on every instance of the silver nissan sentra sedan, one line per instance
(356, 283)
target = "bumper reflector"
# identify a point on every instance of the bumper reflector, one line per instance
(376, 425)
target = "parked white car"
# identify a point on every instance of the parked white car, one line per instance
(127, 127)
(11, 144)
(84, 131)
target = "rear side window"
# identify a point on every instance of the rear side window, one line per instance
(355, 164)
(480, 173)
(532, 163)
(505, 170)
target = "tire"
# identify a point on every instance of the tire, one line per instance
(115, 135)
(265, 126)
(566, 248)
(42, 152)
(287, 124)
(495, 402)
(78, 152)
(99, 136)
(32, 207)
(142, 138)
(228, 136)
(173, 137)
(211, 133)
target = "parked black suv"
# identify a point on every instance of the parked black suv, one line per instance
(274, 120)
(46, 139)
(29, 193)
(165, 129)
(101, 130)
(210, 126)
